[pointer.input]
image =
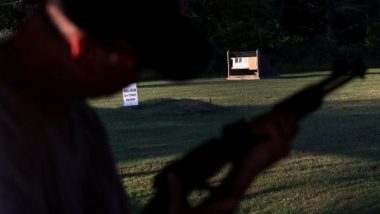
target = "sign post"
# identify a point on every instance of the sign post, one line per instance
(130, 96)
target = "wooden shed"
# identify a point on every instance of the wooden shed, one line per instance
(249, 65)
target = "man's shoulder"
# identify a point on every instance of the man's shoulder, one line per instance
(87, 115)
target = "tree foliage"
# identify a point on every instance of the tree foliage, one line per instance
(238, 24)
(294, 34)
(10, 14)
(303, 33)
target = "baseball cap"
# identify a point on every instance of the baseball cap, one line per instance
(165, 40)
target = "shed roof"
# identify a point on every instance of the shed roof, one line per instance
(243, 54)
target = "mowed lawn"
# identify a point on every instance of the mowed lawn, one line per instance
(334, 166)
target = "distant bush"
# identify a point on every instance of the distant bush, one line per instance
(5, 35)
(11, 15)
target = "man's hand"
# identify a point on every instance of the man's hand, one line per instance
(276, 131)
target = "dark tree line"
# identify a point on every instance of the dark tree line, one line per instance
(15, 12)
(294, 34)
(10, 14)
(346, 21)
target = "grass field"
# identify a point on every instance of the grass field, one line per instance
(334, 166)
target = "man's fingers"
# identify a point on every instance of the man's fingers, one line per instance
(276, 126)
(175, 191)
(276, 131)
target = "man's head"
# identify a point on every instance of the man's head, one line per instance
(109, 43)
(161, 36)
(154, 34)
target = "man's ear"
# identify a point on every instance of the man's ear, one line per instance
(73, 35)
(76, 46)
(81, 46)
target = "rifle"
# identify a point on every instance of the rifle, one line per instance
(195, 168)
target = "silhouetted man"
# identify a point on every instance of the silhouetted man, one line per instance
(54, 155)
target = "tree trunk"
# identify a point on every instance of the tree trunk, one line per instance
(329, 10)
(279, 5)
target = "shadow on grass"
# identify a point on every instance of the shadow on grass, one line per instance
(304, 75)
(166, 127)
(317, 74)
(155, 84)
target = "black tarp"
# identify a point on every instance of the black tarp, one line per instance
(264, 67)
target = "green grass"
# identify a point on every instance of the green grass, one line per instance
(334, 166)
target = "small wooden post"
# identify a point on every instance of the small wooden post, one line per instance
(228, 64)
(258, 63)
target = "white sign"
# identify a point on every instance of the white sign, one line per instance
(240, 63)
(130, 96)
